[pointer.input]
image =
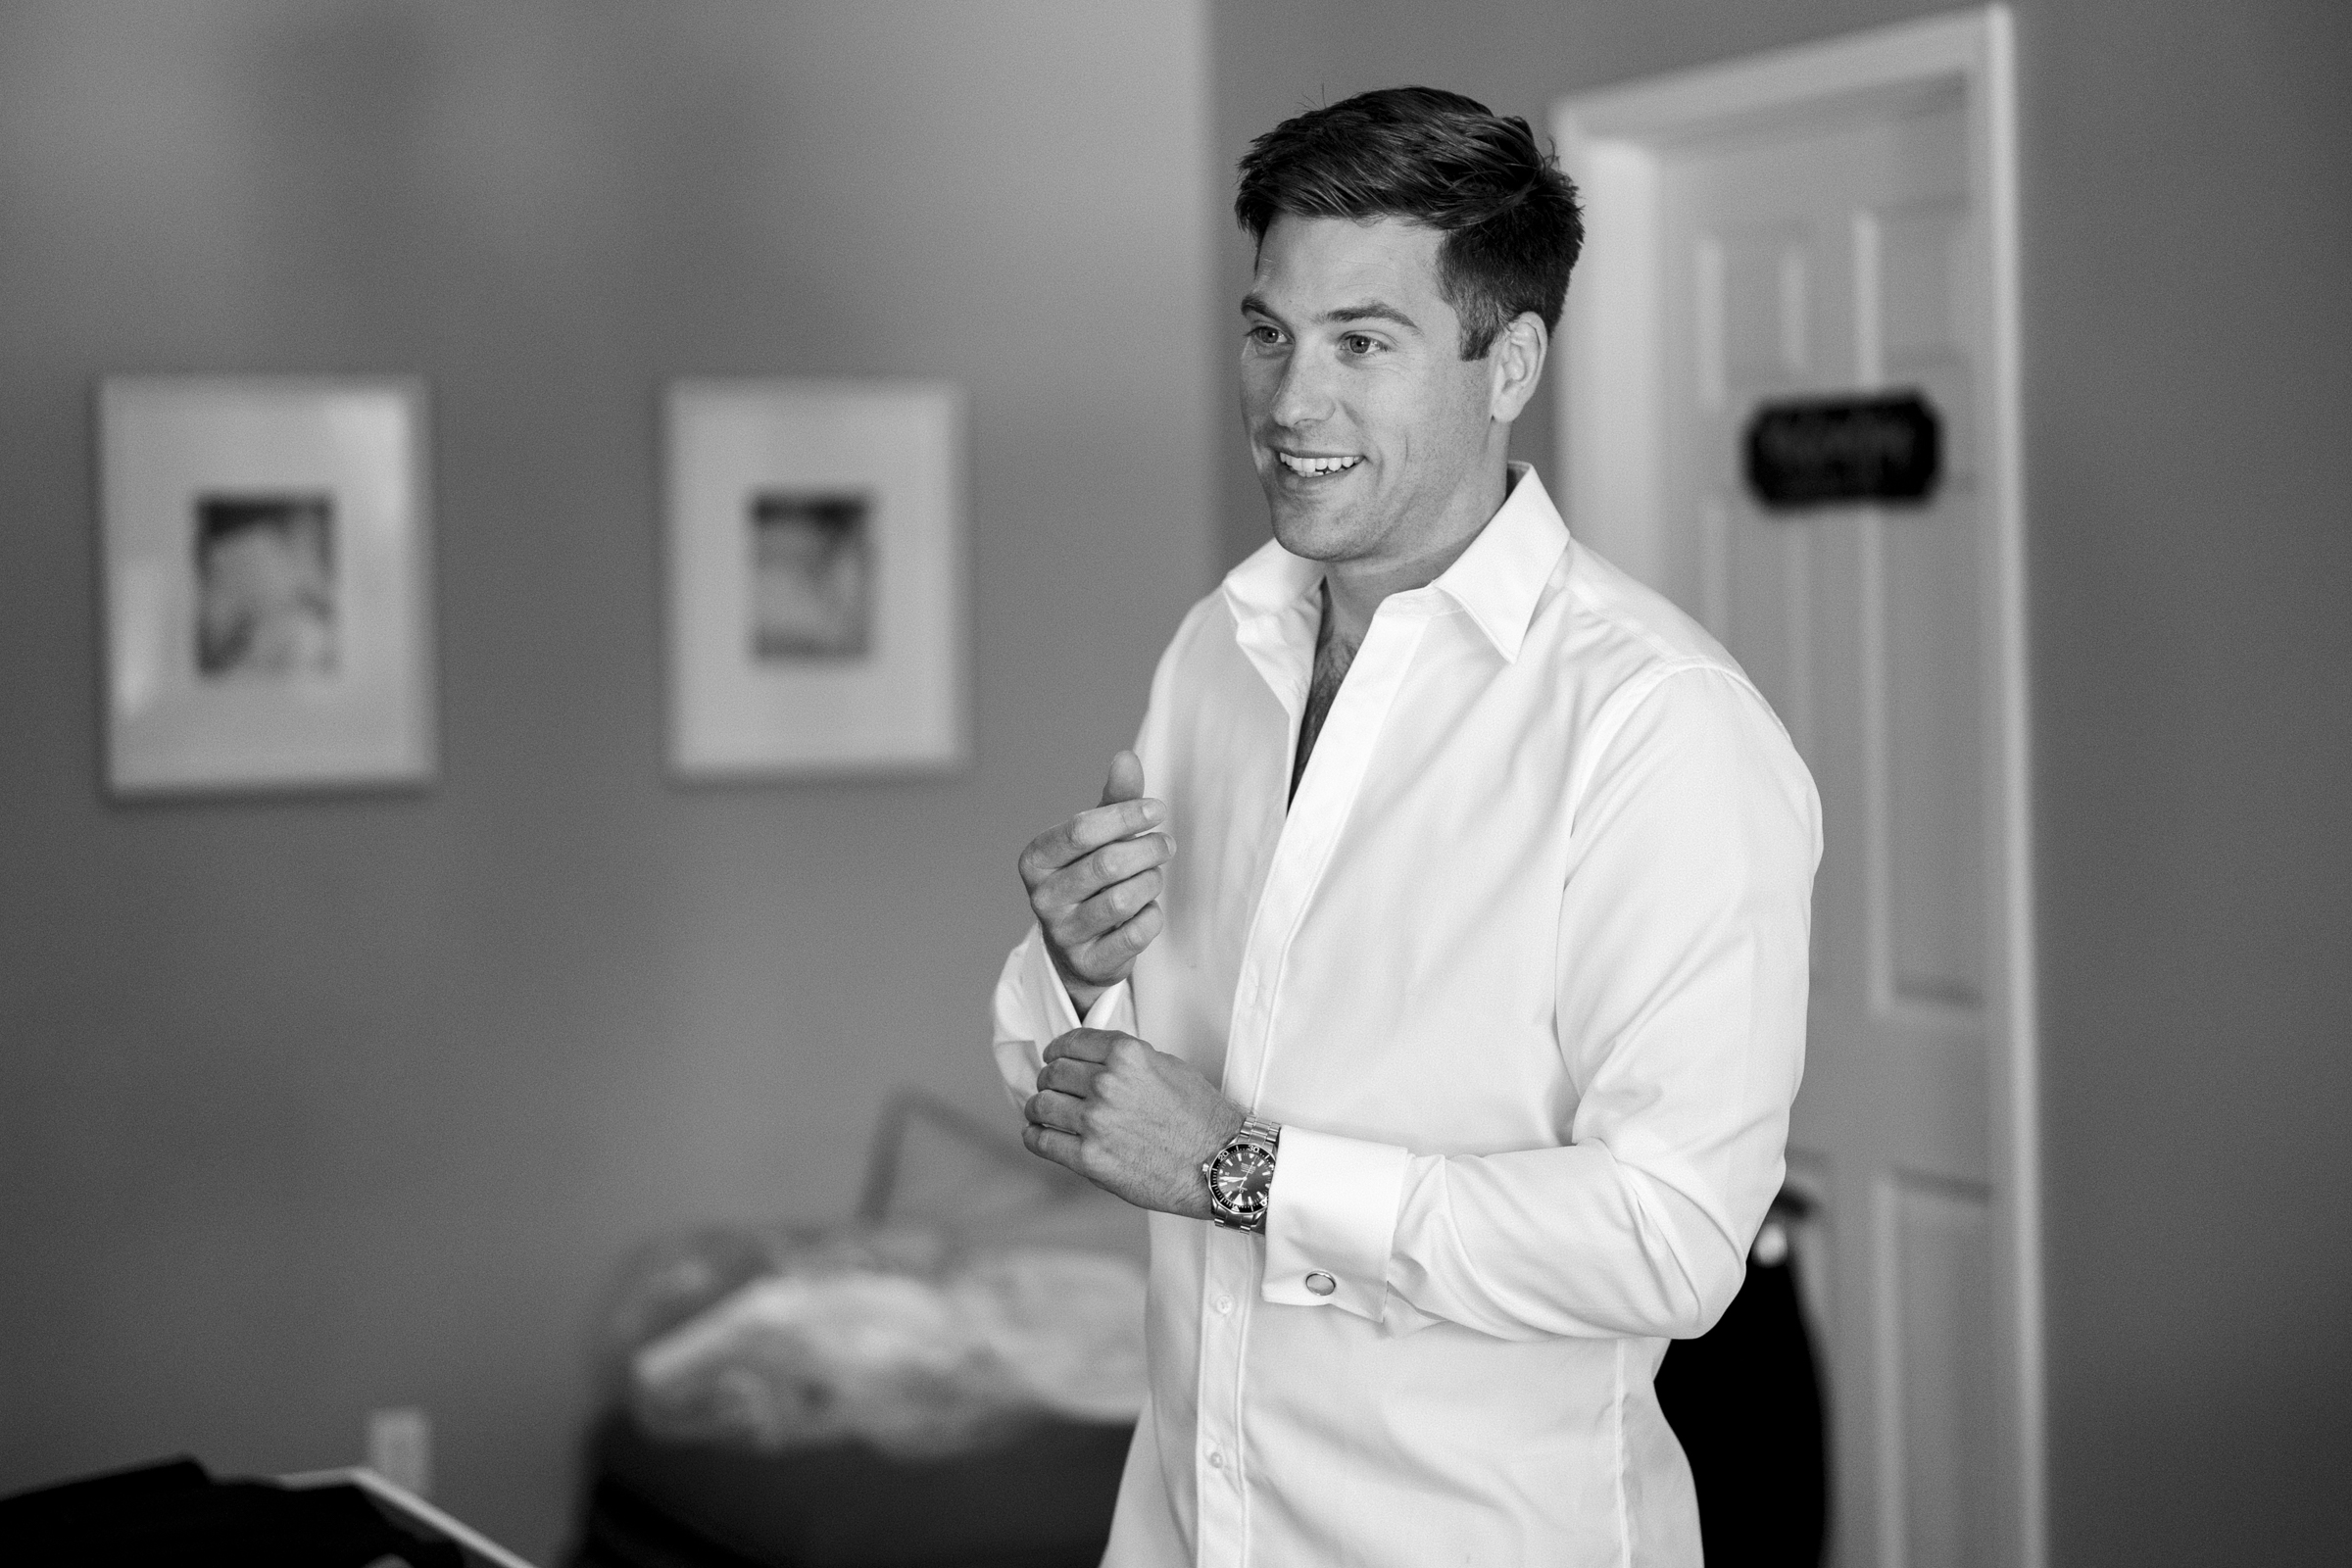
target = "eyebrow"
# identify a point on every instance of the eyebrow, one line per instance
(1371, 310)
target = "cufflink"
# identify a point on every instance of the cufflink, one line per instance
(1321, 1283)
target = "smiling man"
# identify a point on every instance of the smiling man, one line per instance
(1454, 1052)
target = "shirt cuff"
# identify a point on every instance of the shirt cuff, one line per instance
(1050, 998)
(1331, 1219)
(1032, 1009)
(1113, 1010)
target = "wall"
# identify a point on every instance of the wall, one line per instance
(2189, 341)
(315, 1106)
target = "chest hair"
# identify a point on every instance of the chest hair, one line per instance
(1334, 653)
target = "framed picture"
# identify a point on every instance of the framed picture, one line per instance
(269, 609)
(815, 578)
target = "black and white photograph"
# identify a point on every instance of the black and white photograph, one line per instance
(814, 586)
(267, 551)
(264, 586)
(1176, 783)
(813, 575)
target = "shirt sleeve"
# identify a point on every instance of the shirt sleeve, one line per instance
(1032, 1009)
(1682, 971)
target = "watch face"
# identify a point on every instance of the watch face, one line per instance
(1240, 1178)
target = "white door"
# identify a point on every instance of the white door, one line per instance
(1842, 245)
(1812, 262)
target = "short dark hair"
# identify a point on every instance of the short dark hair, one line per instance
(1509, 216)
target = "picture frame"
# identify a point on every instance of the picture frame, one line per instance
(267, 575)
(815, 588)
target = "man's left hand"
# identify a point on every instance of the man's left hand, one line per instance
(1134, 1121)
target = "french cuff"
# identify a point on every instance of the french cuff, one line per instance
(1032, 1009)
(1331, 1219)
(1049, 999)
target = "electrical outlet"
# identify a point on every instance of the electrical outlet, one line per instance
(400, 1448)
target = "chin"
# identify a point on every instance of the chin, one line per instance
(1314, 538)
(1312, 532)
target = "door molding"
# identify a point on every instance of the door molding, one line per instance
(1611, 443)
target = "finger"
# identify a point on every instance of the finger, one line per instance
(1088, 832)
(1084, 1044)
(1116, 862)
(1068, 1075)
(1115, 906)
(1108, 953)
(1061, 1113)
(1106, 867)
(1098, 826)
(1048, 1144)
(1126, 781)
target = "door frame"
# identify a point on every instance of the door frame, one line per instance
(1611, 429)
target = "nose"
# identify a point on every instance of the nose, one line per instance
(1302, 397)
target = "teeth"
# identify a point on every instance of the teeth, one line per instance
(1317, 464)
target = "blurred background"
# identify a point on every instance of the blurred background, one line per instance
(320, 1106)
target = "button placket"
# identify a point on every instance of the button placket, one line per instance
(1311, 827)
(1302, 848)
(1230, 1268)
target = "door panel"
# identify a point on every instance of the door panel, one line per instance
(1822, 258)
(1941, 1252)
(1929, 772)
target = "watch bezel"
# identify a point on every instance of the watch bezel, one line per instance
(1255, 1145)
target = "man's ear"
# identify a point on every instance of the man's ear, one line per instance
(1517, 359)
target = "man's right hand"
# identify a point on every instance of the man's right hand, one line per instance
(1093, 883)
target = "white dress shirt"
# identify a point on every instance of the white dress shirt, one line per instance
(1521, 971)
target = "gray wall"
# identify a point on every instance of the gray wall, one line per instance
(315, 1106)
(2188, 342)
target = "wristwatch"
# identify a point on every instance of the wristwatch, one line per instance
(1240, 1176)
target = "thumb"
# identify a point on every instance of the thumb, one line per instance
(1126, 781)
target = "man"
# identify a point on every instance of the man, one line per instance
(1478, 986)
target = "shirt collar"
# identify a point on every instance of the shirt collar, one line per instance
(1496, 580)
(1500, 577)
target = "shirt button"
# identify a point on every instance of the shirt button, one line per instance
(1321, 1283)
(1224, 1303)
(1216, 1460)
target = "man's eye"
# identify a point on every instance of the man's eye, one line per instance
(1358, 344)
(1262, 333)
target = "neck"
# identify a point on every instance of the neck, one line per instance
(1355, 588)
